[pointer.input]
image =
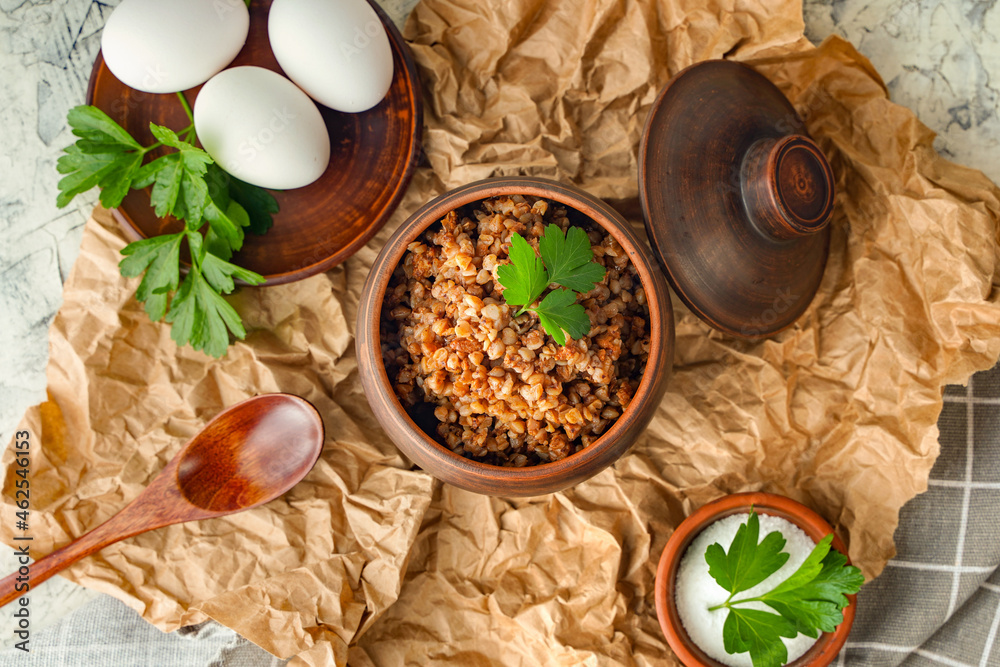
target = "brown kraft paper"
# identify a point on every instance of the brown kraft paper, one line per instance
(372, 561)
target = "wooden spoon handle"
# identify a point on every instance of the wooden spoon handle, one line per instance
(113, 530)
(160, 504)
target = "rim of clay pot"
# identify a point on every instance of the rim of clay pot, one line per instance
(480, 477)
(828, 645)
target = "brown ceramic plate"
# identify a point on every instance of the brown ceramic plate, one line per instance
(373, 155)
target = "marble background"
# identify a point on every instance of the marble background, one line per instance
(941, 59)
(47, 50)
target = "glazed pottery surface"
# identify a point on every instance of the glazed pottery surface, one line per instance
(472, 475)
(373, 156)
(826, 647)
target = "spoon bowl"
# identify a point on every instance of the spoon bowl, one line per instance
(281, 440)
(248, 455)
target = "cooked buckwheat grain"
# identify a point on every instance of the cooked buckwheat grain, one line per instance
(504, 392)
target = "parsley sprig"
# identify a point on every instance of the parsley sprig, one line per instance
(186, 183)
(812, 599)
(565, 260)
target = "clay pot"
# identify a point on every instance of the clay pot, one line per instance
(438, 460)
(821, 653)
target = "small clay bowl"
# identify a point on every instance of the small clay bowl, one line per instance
(828, 645)
(484, 478)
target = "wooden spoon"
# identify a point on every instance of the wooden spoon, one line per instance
(249, 454)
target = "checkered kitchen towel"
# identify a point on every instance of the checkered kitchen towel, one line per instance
(937, 602)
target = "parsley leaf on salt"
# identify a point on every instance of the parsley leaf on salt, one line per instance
(814, 596)
(565, 260)
(758, 632)
(811, 600)
(747, 563)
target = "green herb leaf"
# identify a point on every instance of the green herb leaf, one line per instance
(105, 155)
(200, 316)
(525, 278)
(835, 581)
(809, 601)
(810, 567)
(226, 218)
(178, 179)
(758, 632)
(219, 273)
(158, 257)
(188, 185)
(747, 563)
(568, 258)
(565, 260)
(814, 595)
(258, 203)
(560, 313)
(91, 124)
(226, 226)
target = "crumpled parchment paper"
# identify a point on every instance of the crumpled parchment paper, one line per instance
(372, 560)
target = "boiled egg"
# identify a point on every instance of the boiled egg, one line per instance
(259, 127)
(164, 46)
(337, 51)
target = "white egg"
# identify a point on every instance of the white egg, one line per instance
(163, 46)
(258, 126)
(335, 50)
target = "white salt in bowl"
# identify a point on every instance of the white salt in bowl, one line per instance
(820, 654)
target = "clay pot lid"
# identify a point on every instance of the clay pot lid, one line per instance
(736, 198)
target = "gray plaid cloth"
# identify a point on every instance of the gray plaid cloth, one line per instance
(937, 602)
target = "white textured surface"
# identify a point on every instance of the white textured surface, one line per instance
(697, 591)
(941, 59)
(47, 49)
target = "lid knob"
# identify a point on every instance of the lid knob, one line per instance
(787, 187)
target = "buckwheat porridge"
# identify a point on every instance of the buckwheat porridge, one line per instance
(502, 390)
